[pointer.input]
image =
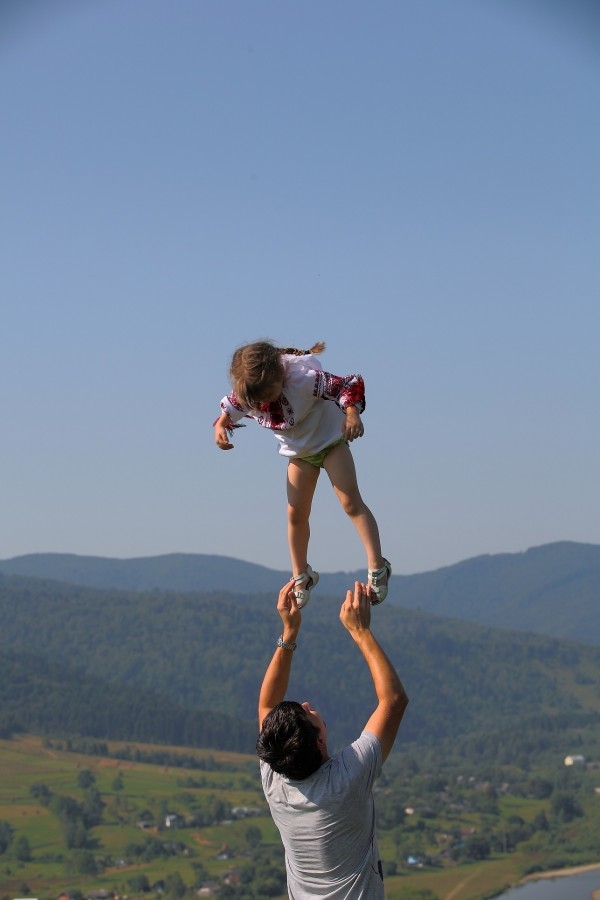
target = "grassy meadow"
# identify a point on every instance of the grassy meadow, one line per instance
(135, 791)
(27, 761)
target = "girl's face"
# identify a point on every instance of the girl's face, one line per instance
(273, 392)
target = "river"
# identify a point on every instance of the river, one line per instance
(579, 886)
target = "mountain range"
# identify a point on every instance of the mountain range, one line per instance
(553, 589)
(185, 668)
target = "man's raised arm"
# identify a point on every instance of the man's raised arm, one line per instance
(384, 722)
(277, 676)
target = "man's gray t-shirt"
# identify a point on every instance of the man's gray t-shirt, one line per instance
(327, 825)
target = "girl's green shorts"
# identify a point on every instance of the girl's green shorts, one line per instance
(317, 459)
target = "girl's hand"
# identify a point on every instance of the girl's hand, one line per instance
(221, 434)
(352, 426)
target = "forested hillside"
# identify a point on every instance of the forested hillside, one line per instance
(47, 697)
(552, 590)
(208, 652)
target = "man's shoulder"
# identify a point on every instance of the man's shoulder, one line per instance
(367, 740)
(364, 752)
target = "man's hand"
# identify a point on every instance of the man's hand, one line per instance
(352, 426)
(287, 607)
(355, 614)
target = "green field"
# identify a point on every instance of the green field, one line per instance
(158, 789)
(203, 795)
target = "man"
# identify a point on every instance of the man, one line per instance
(323, 806)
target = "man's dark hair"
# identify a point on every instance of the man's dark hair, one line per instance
(288, 741)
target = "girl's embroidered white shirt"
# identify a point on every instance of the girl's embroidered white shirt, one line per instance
(309, 413)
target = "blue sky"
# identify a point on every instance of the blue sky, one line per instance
(414, 182)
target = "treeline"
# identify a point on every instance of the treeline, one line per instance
(156, 756)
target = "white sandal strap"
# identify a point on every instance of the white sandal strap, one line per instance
(376, 574)
(308, 578)
(303, 585)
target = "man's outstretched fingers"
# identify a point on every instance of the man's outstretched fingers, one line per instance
(346, 605)
(285, 595)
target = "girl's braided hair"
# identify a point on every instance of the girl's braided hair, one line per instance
(316, 349)
(255, 367)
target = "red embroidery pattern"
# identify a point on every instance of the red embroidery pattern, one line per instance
(348, 390)
(278, 416)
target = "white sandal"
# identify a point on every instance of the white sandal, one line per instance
(379, 591)
(303, 585)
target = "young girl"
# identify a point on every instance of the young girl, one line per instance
(313, 415)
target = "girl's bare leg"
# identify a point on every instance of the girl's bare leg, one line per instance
(339, 465)
(301, 483)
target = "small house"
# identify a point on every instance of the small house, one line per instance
(574, 760)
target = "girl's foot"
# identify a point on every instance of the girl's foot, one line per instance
(378, 582)
(303, 585)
